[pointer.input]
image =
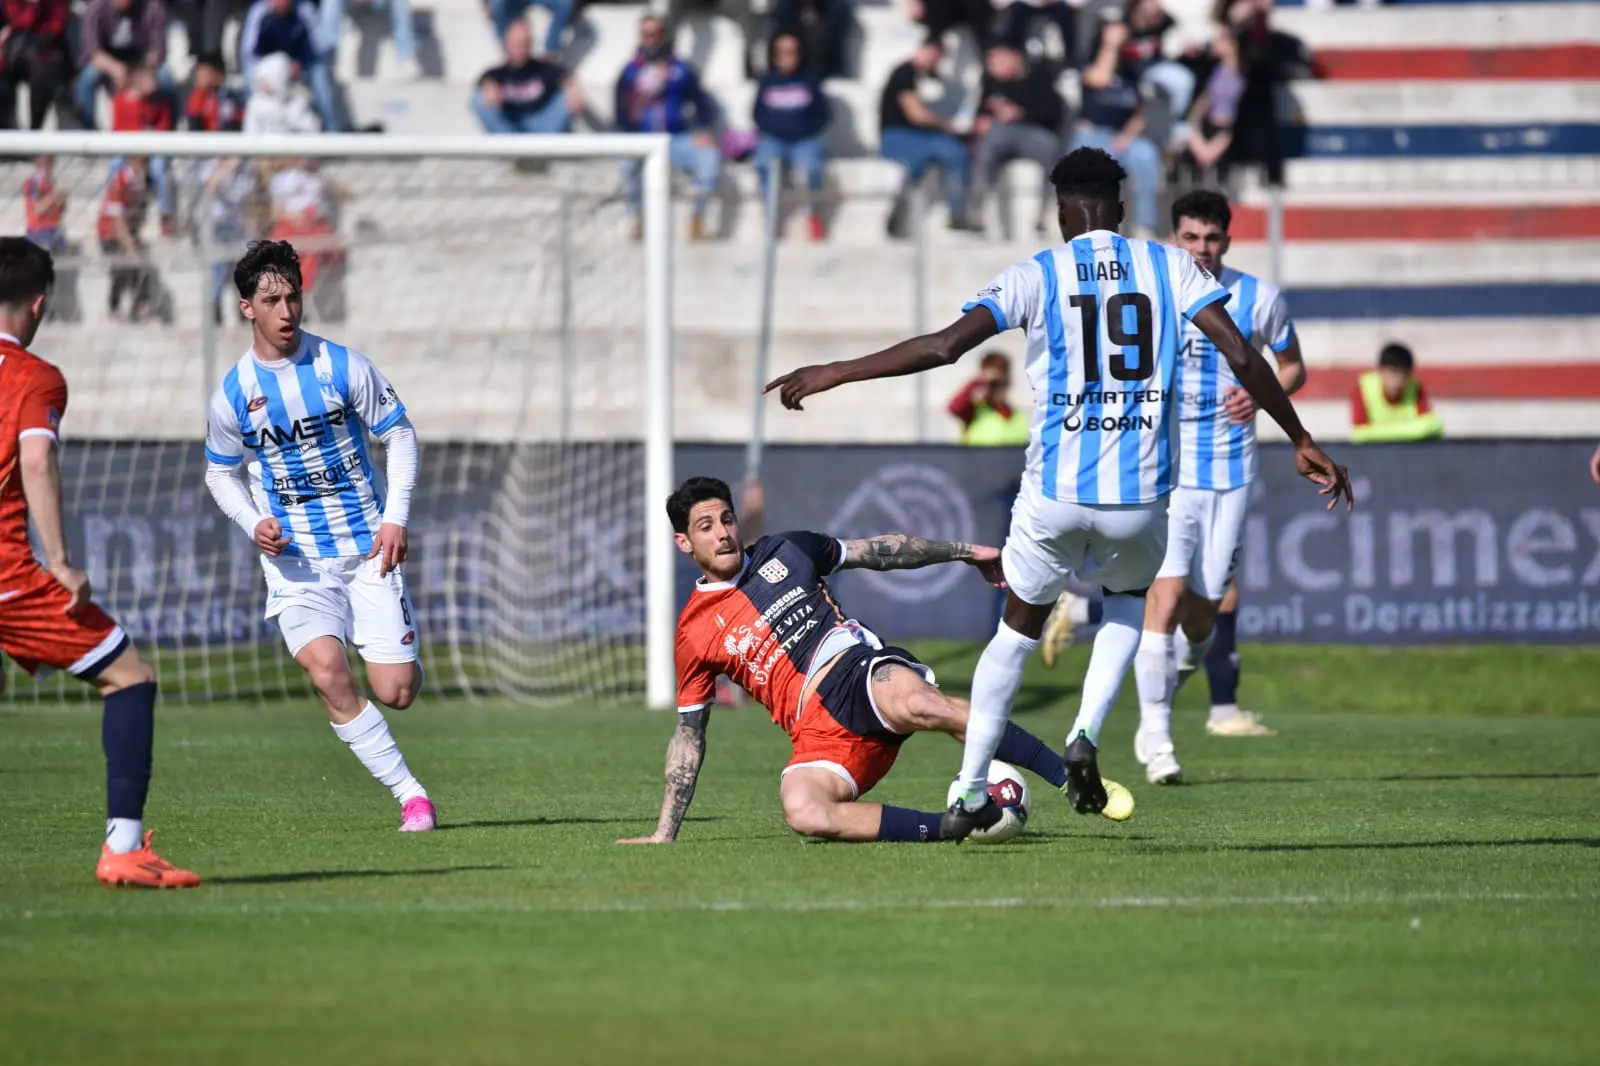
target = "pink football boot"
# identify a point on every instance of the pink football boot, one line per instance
(417, 815)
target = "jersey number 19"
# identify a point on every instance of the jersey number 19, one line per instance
(1116, 328)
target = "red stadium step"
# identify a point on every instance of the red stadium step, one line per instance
(1564, 62)
(1523, 381)
(1466, 222)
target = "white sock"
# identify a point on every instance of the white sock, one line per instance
(994, 687)
(1155, 671)
(124, 835)
(1220, 711)
(368, 736)
(1181, 647)
(1192, 653)
(1114, 648)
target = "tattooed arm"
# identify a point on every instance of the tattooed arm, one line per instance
(685, 752)
(902, 551)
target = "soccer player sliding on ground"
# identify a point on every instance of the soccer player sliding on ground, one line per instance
(47, 618)
(764, 618)
(1102, 319)
(332, 534)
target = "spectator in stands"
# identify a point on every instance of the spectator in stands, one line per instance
(1216, 110)
(917, 137)
(402, 27)
(43, 205)
(983, 407)
(231, 192)
(823, 26)
(277, 103)
(1390, 404)
(303, 213)
(204, 22)
(1269, 60)
(502, 13)
(791, 114)
(34, 52)
(285, 27)
(212, 106)
(524, 94)
(942, 16)
(1114, 117)
(117, 34)
(1020, 116)
(121, 218)
(659, 93)
(142, 106)
(1022, 15)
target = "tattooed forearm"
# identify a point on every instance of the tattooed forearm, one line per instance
(901, 551)
(685, 752)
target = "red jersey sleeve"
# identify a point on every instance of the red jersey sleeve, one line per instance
(697, 679)
(1424, 406)
(44, 401)
(1358, 407)
(961, 404)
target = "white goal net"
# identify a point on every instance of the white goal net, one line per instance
(517, 308)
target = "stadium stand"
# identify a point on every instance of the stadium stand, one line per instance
(1446, 197)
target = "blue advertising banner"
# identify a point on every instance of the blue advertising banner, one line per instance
(1451, 542)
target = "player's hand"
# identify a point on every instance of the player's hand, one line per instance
(1331, 478)
(76, 582)
(653, 838)
(270, 537)
(1594, 465)
(1239, 407)
(798, 384)
(391, 543)
(987, 560)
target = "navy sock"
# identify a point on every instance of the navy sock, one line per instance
(127, 732)
(903, 826)
(1097, 611)
(1222, 663)
(1021, 748)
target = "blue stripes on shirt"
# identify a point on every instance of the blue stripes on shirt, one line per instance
(347, 499)
(1167, 364)
(316, 513)
(1000, 323)
(1129, 445)
(1244, 315)
(1056, 339)
(1089, 439)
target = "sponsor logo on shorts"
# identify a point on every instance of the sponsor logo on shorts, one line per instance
(410, 637)
(258, 403)
(774, 571)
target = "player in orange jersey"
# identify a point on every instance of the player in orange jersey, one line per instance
(47, 618)
(765, 618)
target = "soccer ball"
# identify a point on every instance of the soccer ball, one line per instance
(1010, 791)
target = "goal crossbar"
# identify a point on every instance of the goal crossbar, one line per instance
(651, 149)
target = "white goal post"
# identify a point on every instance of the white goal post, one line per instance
(603, 261)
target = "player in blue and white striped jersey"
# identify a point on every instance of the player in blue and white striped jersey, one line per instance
(287, 461)
(1205, 530)
(1102, 319)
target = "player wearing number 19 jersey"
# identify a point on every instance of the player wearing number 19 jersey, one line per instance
(1102, 316)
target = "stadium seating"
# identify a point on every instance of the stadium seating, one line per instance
(1447, 199)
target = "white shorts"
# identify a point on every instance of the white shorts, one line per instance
(1118, 548)
(1205, 532)
(347, 599)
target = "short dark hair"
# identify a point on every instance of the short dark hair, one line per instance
(1397, 356)
(26, 271)
(213, 60)
(1203, 205)
(266, 259)
(1088, 174)
(695, 490)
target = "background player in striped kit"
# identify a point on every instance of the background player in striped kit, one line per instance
(1101, 314)
(1205, 528)
(332, 534)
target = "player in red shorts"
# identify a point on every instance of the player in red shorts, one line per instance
(764, 618)
(46, 616)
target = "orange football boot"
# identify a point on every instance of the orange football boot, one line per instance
(143, 868)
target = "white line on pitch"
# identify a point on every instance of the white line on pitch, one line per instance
(204, 908)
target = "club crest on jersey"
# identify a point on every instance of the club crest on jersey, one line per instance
(258, 403)
(774, 571)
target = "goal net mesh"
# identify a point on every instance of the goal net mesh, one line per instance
(506, 304)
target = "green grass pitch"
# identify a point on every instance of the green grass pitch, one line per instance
(1409, 873)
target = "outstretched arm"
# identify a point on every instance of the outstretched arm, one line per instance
(1259, 380)
(685, 752)
(902, 551)
(907, 357)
